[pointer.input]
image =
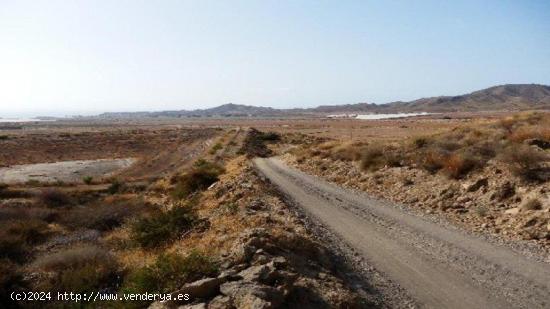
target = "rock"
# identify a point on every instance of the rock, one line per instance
(512, 211)
(252, 295)
(203, 288)
(505, 191)
(542, 144)
(220, 302)
(260, 273)
(473, 187)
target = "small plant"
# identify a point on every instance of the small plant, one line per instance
(115, 186)
(481, 211)
(88, 180)
(420, 142)
(162, 227)
(532, 204)
(232, 208)
(170, 272)
(215, 148)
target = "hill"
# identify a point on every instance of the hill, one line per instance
(499, 98)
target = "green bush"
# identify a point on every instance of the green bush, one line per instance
(79, 270)
(115, 187)
(88, 180)
(162, 227)
(201, 176)
(170, 272)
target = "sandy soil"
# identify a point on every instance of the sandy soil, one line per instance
(66, 171)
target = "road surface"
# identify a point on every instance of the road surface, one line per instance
(439, 267)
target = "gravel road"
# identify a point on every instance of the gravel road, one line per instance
(439, 266)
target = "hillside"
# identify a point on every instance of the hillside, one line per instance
(498, 98)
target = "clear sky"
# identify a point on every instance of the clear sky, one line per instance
(67, 57)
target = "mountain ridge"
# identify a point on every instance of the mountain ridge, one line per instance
(508, 97)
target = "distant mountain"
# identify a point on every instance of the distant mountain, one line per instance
(498, 98)
(505, 97)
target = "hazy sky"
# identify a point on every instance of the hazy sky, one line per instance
(66, 57)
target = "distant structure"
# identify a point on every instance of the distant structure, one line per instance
(342, 116)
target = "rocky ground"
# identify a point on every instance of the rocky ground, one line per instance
(489, 201)
(267, 257)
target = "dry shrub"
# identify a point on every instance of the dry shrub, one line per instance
(372, 157)
(532, 204)
(421, 142)
(200, 177)
(432, 160)
(457, 165)
(24, 213)
(524, 161)
(53, 198)
(347, 152)
(18, 236)
(104, 216)
(525, 133)
(79, 270)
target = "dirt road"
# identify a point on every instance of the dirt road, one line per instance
(438, 266)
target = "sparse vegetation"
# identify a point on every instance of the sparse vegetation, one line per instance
(162, 227)
(201, 176)
(255, 142)
(53, 198)
(102, 216)
(170, 272)
(80, 270)
(215, 148)
(524, 161)
(115, 187)
(88, 180)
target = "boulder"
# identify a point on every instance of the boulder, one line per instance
(203, 288)
(252, 295)
(512, 211)
(220, 302)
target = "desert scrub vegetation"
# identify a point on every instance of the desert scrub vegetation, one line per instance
(170, 272)
(521, 142)
(102, 215)
(18, 236)
(255, 143)
(162, 227)
(215, 148)
(200, 177)
(53, 198)
(81, 270)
